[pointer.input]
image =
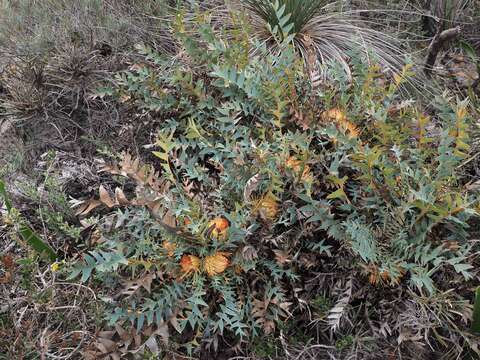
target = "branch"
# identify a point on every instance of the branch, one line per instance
(436, 45)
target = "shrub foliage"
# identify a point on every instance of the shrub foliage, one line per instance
(257, 180)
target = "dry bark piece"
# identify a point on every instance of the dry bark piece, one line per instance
(439, 40)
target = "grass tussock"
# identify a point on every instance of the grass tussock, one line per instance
(237, 180)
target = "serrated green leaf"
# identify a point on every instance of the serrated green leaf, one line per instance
(339, 194)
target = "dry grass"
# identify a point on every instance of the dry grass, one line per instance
(56, 54)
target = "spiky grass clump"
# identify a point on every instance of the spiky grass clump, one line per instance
(56, 54)
(301, 12)
(321, 35)
(449, 13)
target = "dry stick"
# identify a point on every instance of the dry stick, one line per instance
(436, 45)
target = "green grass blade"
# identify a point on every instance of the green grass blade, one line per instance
(27, 234)
(476, 313)
(36, 243)
(3, 195)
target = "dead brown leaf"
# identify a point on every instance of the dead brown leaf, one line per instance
(105, 197)
(8, 261)
(282, 257)
(87, 206)
(131, 287)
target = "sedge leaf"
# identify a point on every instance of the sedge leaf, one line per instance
(476, 313)
(26, 233)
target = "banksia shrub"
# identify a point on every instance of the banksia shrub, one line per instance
(278, 185)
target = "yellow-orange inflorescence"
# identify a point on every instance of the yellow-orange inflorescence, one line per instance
(296, 166)
(216, 264)
(218, 227)
(267, 207)
(169, 247)
(340, 119)
(190, 263)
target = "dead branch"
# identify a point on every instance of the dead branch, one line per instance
(436, 45)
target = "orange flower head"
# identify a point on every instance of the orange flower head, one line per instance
(340, 119)
(266, 207)
(296, 165)
(219, 227)
(190, 263)
(169, 247)
(216, 264)
(385, 275)
(293, 163)
(349, 129)
(334, 114)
